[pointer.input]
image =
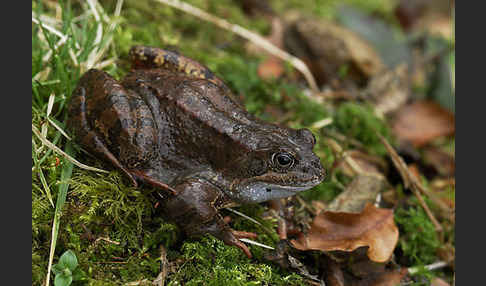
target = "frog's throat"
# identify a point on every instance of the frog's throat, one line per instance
(257, 192)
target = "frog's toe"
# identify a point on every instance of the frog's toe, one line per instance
(148, 179)
(243, 247)
(244, 234)
(230, 237)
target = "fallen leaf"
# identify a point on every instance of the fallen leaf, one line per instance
(281, 256)
(413, 168)
(389, 90)
(373, 227)
(330, 50)
(408, 12)
(421, 122)
(256, 7)
(386, 278)
(334, 274)
(438, 282)
(437, 24)
(367, 163)
(442, 162)
(390, 44)
(363, 268)
(270, 68)
(361, 191)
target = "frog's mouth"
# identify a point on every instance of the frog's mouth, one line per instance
(257, 191)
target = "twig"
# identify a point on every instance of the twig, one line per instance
(430, 267)
(245, 216)
(322, 123)
(107, 240)
(164, 265)
(409, 180)
(253, 37)
(256, 243)
(59, 129)
(56, 149)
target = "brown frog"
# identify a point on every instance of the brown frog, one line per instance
(173, 125)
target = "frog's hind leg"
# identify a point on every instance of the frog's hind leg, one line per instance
(88, 137)
(143, 57)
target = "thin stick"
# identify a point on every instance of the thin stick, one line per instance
(430, 267)
(256, 243)
(410, 181)
(164, 265)
(437, 225)
(107, 240)
(56, 149)
(59, 129)
(244, 215)
(253, 37)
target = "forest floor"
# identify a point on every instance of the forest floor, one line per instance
(382, 111)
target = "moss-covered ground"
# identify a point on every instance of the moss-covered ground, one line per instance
(114, 229)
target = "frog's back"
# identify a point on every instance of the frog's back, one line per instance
(199, 123)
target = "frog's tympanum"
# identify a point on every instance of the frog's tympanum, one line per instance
(173, 125)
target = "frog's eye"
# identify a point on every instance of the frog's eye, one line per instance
(284, 160)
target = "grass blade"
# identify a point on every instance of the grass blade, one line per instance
(59, 151)
(61, 199)
(41, 174)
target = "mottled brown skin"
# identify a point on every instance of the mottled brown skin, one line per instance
(173, 125)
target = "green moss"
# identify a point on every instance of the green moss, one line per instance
(211, 262)
(418, 239)
(327, 8)
(359, 122)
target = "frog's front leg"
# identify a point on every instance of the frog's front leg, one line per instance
(194, 209)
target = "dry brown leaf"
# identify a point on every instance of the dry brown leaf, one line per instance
(423, 121)
(441, 161)
(389, 90)
(438, 282)
(327, 46)
(334, 274)
(367, 163)
(361, 191)
(374, 227)
(271, 68)
(386, 278)
(414, 170)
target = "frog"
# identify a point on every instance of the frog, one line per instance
(173, 126)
